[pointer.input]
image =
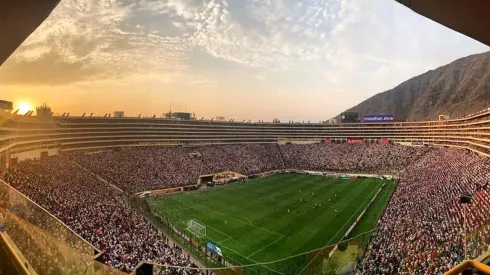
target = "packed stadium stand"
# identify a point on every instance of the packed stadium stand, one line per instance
(75, 133)
(59, 163)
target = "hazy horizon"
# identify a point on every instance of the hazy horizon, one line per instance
(254, 59)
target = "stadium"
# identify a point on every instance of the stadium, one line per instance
(116, 194)
(251, 198)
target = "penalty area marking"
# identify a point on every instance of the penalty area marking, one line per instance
(212, 228)
(223, 233)
(265, 247)
(234, 218)
(367, 198)
(273, 195)
(227, 248)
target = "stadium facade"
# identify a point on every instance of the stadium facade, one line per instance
(25, 137)
(28, 137)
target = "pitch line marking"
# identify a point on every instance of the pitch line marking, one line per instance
(180, 209)
(231, 216)
(273, 195)
(318, 201)
(213, 228)
(222, 241)
(290, 257)
(375, 189)
(265, 247)
(256, 263)
(228, 236)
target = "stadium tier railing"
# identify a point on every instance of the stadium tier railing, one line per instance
(479, 264)
(41, 242)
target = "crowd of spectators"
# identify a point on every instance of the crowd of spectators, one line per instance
(424, 229)
(96, 211)
(142, 169)
(360, 157)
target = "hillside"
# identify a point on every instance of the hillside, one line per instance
(459, 88)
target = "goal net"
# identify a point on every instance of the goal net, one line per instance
(196, 228)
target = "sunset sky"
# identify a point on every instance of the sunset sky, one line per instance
(243, 59)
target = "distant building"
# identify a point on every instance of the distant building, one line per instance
(276, 120)
(444, 117)
(44, 111)
(118, 114)
(179, 115)
(6, 105)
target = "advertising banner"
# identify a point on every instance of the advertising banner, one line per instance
(214, 248)
(384, 141)
(194, 243)
(378, 118)
(355, 140)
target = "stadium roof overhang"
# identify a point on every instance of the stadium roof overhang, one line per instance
(19, 18)
(469, 17)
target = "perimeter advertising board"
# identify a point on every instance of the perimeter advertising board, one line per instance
(384, 141)
(355, 140)
(378, 118)
(213, 248)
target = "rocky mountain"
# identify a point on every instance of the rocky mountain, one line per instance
(457, 89)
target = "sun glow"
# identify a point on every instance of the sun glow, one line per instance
(24, 107)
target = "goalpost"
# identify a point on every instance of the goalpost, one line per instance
(196, 228)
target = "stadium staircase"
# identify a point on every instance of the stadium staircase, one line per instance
(282, 157)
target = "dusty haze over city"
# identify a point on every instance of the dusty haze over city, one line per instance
(242, 59)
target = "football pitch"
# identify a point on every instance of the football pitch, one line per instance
(277, 217)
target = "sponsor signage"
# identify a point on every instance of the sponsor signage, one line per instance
(213, 248)
(384, 141)
(378, 118)
(355, 140)
(417, 143)
(192, 242)
(6, 105)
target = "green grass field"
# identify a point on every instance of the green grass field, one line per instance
(273, 218)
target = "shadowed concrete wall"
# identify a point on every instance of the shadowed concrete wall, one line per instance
(18, 19)
(469, 17)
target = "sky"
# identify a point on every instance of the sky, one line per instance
(242, 59)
